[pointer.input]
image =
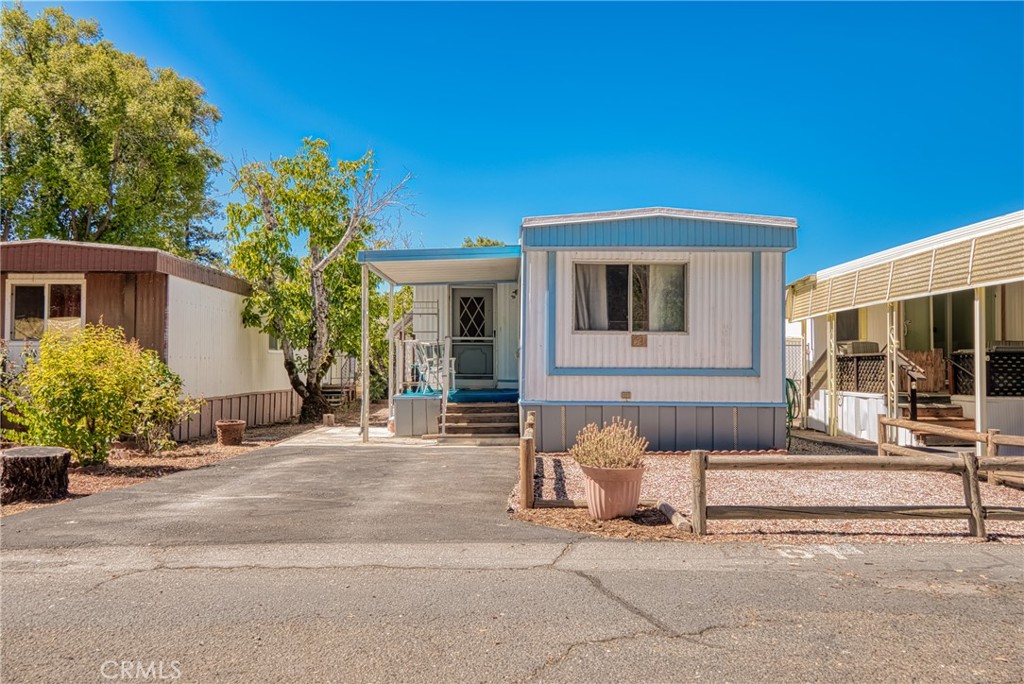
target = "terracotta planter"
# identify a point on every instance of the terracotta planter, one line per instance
(612, 492)
(230, 432)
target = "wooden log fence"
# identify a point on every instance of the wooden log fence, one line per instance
(966, 464)
(890, 458)
(990, 441)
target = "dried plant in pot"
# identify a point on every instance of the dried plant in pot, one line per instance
(612, 460)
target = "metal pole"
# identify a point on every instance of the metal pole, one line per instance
(980, 366)
(364, 414)
(833, 374)
(391, 351)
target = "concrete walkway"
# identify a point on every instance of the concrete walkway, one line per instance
(384, 563)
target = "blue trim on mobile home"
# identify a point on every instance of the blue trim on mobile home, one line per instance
(444, 254)
(660, 232)
(755, 338)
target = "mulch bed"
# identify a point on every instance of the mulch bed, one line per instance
(668, 479)
(126, 468)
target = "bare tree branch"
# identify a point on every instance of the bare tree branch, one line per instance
(368, 206)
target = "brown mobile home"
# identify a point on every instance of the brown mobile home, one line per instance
(189, 313)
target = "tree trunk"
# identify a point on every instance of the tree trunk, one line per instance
(33, 473)
(314, 405)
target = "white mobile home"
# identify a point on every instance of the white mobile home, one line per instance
(670, 318)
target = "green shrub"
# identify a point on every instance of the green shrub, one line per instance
(616, 445)
(89, 387)
(159, 405)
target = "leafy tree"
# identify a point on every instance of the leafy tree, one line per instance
(481, 241)
(295, 238)
(95, 145)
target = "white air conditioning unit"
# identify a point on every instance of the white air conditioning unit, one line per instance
(859, 347)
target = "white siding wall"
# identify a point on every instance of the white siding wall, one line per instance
(719, 324)
(425, 325)
(506, 324)
(506, 333)
(717, 282)
(211, 350)
(1003, 413)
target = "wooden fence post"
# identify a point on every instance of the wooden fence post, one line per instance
(991, 451)
(883, 438)
(698, 476)
(972, 494)
(526, 470)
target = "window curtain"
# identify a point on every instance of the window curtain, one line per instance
(668, 298)
(591, 297)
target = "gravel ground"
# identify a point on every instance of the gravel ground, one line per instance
(798, 445)
(668, 479)
(126, 468)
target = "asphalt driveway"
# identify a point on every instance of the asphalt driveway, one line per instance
(350, 563)
(297, 493)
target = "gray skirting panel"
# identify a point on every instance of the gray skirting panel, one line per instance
(667, 428)
(416, 416)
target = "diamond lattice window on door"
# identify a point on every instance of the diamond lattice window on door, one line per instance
(472, 318)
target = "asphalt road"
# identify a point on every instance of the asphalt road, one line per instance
(319, 563)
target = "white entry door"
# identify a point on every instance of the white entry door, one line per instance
(473, 337)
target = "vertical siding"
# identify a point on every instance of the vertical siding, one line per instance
(506, 324)
(105, 301)
(667, 428)
(717, 283)
(151, 311)
(660, 231)
(212, 351)
(278, 406)
(1013, 307)
(506, 333)
(720, 332)
(426, 326)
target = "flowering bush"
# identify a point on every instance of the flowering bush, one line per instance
(616, 445)
(89, 387)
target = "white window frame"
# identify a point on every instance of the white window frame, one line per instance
(38, 279)
(630, 263)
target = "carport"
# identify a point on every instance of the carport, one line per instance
(445, 269)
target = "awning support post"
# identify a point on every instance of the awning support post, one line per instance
(980, 366)
(832, 377)
(391, 351)
(364, 413)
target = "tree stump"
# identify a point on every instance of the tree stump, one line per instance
(28, 473)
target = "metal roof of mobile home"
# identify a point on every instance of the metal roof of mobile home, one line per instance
(987, 253)
(64, 256)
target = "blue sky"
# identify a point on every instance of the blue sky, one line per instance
(872, 123)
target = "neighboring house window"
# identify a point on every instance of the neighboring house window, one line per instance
(37, 308)
(274, 344)
(630, 297)
(847, 326)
